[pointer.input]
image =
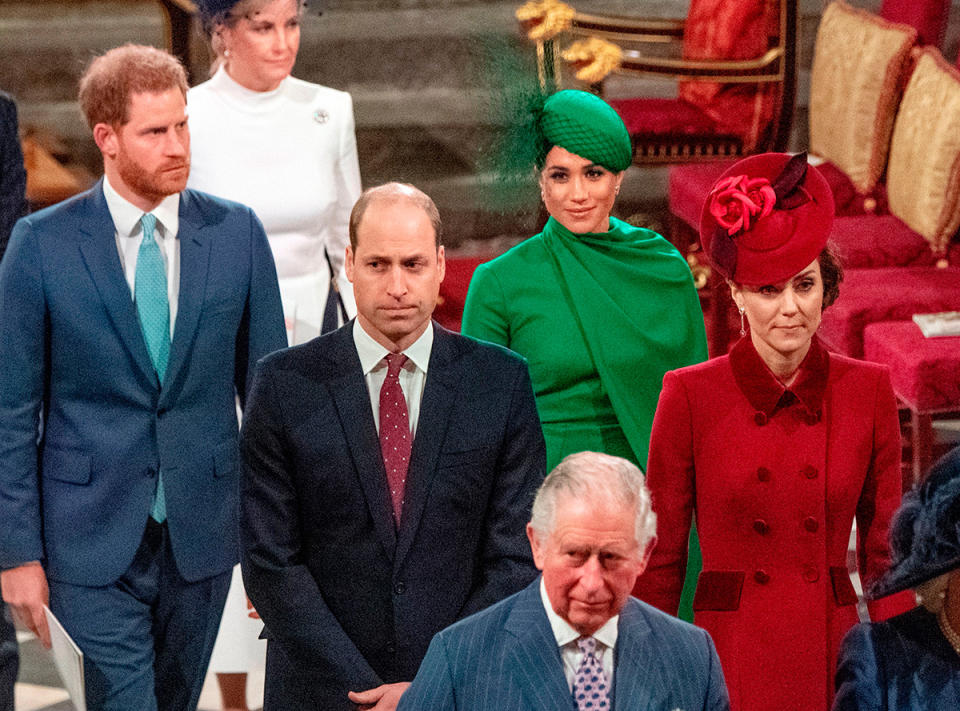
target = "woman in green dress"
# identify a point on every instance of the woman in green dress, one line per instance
(600, 309)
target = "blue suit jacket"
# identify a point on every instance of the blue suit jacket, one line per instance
(84, 423)
(901, 664)
(507, 658)
(349, 601)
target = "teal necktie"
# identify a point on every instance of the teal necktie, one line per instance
(153, 309)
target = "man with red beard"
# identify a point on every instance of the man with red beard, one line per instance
(133, 315)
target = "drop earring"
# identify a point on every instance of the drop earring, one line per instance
(743, 328)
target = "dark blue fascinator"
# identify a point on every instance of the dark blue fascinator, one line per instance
(211, 8)
(925, 533)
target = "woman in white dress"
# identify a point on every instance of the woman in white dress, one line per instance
(281, 145)
(286, 148)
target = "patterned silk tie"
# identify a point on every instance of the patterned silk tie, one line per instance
(153, 309)
(395, 436)
(590, 684)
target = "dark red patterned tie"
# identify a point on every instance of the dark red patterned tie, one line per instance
(395, 437)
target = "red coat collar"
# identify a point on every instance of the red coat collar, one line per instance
(765, 393)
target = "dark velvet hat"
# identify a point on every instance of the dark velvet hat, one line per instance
(925, 533)
(766, 218)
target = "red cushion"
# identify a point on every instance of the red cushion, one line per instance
(886, 294)
(663, 117)
(929, 17)
(846, 199)
(689, 187)
(924, 371)
(871, 241)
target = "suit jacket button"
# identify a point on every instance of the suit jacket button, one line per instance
(811, 524)
(391, 648)
(813, 418)
(810, 472)
(810, 574)
(761, 527)
(760, 418)
(763, 474)
(151, 473)
(761, 577)
(399, 588)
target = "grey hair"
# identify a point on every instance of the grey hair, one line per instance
(598, 477)
(932, 593)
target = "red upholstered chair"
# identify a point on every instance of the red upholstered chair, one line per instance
(734, 65)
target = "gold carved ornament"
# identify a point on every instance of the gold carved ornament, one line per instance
(545, 20)
(593, 58)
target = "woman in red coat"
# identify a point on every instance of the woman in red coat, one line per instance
(776, 447)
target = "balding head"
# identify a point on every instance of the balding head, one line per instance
(393, 193)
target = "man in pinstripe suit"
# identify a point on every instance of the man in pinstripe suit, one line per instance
(575, 639)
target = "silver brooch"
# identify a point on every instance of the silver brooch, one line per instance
(321, 116)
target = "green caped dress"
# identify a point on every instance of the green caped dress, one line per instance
(600, 317)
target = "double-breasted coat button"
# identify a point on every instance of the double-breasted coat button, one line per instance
(813, 418)
(810, 471)
(761, 577)
(760, 418)
(399, 588)
(761, 527)
(763, 474)
(810, 574)
(811, 524)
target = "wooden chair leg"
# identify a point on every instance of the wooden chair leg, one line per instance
(921, 426)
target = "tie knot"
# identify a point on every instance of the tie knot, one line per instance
(395, 362)
(148, 222)
(587, 645)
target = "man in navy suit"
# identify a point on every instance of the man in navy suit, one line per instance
(132, 317)
(389, 468)
(575, 639)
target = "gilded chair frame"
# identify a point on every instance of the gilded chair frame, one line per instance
(777, 65)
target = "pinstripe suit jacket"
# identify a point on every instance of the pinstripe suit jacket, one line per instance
(506, 658)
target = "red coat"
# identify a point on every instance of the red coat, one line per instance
(775, 478)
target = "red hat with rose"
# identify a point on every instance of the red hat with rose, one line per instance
(766, 218)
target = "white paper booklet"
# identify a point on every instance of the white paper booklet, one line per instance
(69, 661)
(945, 323)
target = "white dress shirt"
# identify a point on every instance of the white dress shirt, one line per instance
(129, 234)
(567, 638)
(413, 375)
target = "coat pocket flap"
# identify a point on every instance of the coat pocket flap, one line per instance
(843, 591)
(66, 465)
(718, 590)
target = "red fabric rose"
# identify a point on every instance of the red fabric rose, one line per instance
(736, 202)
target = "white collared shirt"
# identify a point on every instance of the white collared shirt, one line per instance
(413, 375)
(129, 234)
(567, 638)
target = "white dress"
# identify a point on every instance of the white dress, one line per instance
(291, 155)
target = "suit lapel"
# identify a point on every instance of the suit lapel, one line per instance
(534, 655)
(352, 400)
(98, 248)
(634, 687)
(194, 260)
(439, 393)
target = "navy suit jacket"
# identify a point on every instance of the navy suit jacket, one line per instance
(506, 658)
(84, 423)
(350, 602)
(902, 664)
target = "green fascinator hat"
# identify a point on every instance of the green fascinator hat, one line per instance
(586, 125)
